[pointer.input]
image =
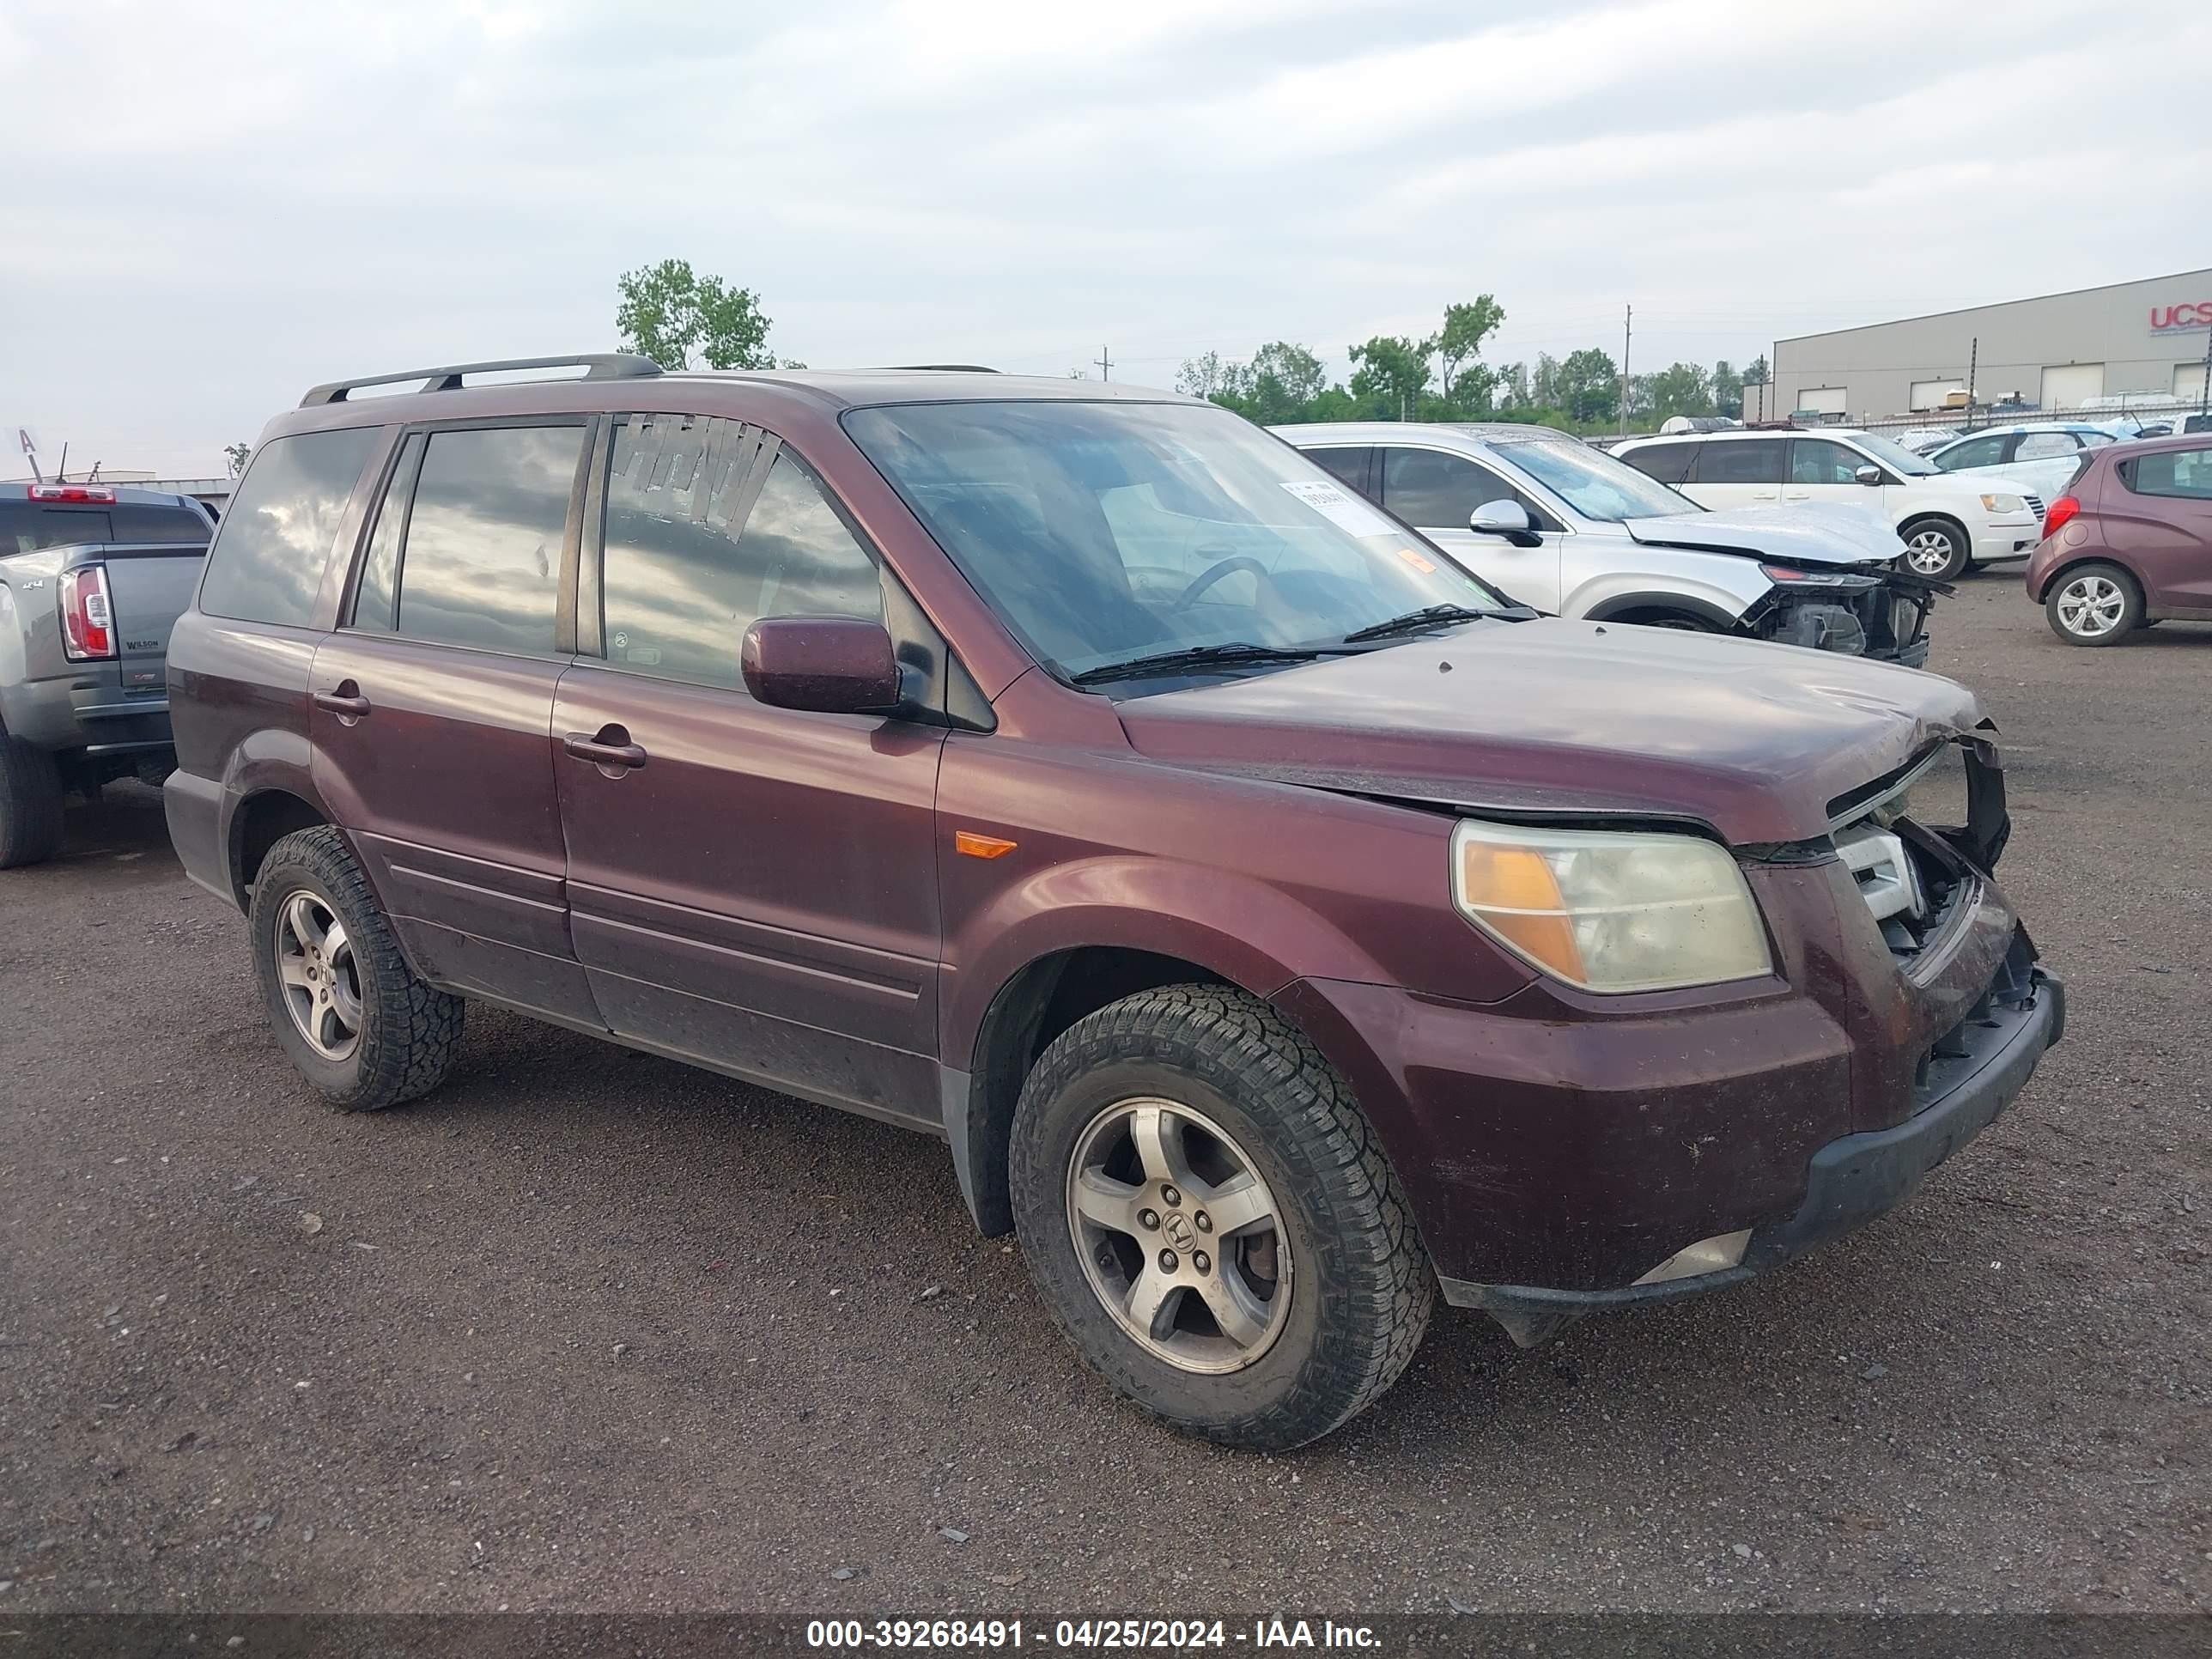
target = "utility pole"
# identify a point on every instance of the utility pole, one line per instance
(1627, 317)
(1973, 362)
(2204, 400)
(1104, 360)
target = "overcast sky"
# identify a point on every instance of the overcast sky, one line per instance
(210, 208)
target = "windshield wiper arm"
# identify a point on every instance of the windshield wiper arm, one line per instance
(1195, 657)
(1433, 616)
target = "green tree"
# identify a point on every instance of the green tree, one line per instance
(683, 321)
(1205, 376)
(237, 455)
(1459, 343)
(1589, 387)
(1512, 391)
(1677, 389)
(1282, 380)
(1393, 373)
(1728, 390)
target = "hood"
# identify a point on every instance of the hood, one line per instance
(1558, 716)
(1817, 532)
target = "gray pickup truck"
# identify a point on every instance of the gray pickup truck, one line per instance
(91, 577)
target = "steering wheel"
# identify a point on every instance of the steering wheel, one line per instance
(1213, 574)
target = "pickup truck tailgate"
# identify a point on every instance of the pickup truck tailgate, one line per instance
(150, 587)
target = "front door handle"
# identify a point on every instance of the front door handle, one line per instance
(610, 751)
(346, 701)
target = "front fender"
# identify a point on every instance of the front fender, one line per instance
(1718, 597)
(1251, 934)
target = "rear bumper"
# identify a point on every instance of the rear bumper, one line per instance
(1848, 1181)
(86, 709)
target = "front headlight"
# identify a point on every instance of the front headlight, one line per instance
(2004, 504)
(1610, 912)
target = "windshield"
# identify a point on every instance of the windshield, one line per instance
(1101, 532)
(1594, 484)
(1894, 456)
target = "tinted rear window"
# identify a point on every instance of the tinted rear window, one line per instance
(267, 561)
(1749, 460)
(481, 563)
(135, 522)
(25, 527)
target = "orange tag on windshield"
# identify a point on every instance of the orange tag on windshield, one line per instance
(1417, 561)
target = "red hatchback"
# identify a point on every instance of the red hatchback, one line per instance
(2129, 543)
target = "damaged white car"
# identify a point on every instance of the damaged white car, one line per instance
(1564, 528)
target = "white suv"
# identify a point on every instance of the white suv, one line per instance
(1562, 526)
(1947, 524)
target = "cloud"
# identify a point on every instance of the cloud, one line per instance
(275, 194)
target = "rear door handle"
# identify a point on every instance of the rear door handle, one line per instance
(346, 702)
(612, 749)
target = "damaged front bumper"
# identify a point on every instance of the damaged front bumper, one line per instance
(1883, 614)
(1974, 1072)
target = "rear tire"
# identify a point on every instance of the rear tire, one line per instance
(2094, 605)
(30, 804)
(1307, 1248)
(344, 1005)
(1934, 549)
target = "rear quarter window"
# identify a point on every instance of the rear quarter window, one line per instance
(2183, 473)
(268, 555)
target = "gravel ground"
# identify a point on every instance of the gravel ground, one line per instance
(589, 1330)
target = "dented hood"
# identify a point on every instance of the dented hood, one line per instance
(1816, 532)
(1558, 716)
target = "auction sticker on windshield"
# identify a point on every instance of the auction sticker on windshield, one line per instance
(1346, 512)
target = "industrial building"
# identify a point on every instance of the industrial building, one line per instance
(2127, 344)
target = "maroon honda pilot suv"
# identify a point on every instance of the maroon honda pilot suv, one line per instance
(1281, 928)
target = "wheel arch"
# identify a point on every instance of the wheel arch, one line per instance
(1632, 607)
(2089, 555)
(261, 819)
(1041, 999)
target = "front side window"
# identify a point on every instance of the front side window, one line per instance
(480, 565)
(270, 550)
(1754, 461)
(1101, 532)
(1669, 463)
(710, 525)
(1974, 452)
(2186, 473)
(1429, 488)
(1817, 461)
(1872, 445)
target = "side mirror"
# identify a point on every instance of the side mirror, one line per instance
(1507, 518)
(821, 664)
(1869, 474)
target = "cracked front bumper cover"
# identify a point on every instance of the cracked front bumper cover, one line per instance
(1848, 1181)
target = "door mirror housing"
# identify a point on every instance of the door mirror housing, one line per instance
(821, 664)
(1507, 518)
(1869, 474)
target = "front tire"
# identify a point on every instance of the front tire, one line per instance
(1211, 1220)
(2094, 605)
(343, 1001)
(1936, 550)
(30, 804)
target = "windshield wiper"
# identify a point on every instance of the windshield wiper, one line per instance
(1195, 657)
(1433, 616)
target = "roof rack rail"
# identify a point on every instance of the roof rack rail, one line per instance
(946, 369)
(597, 366)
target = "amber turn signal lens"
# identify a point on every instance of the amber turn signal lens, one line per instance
(1518, 897)
(974, 845)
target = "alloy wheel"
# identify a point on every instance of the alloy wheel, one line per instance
(1928, 553)
(1179, 1235)
(321, 979)
(2091, 606)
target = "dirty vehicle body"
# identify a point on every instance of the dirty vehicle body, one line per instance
(2129, 543)
(1567, 529)
(91, 577)
(1280, 929)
